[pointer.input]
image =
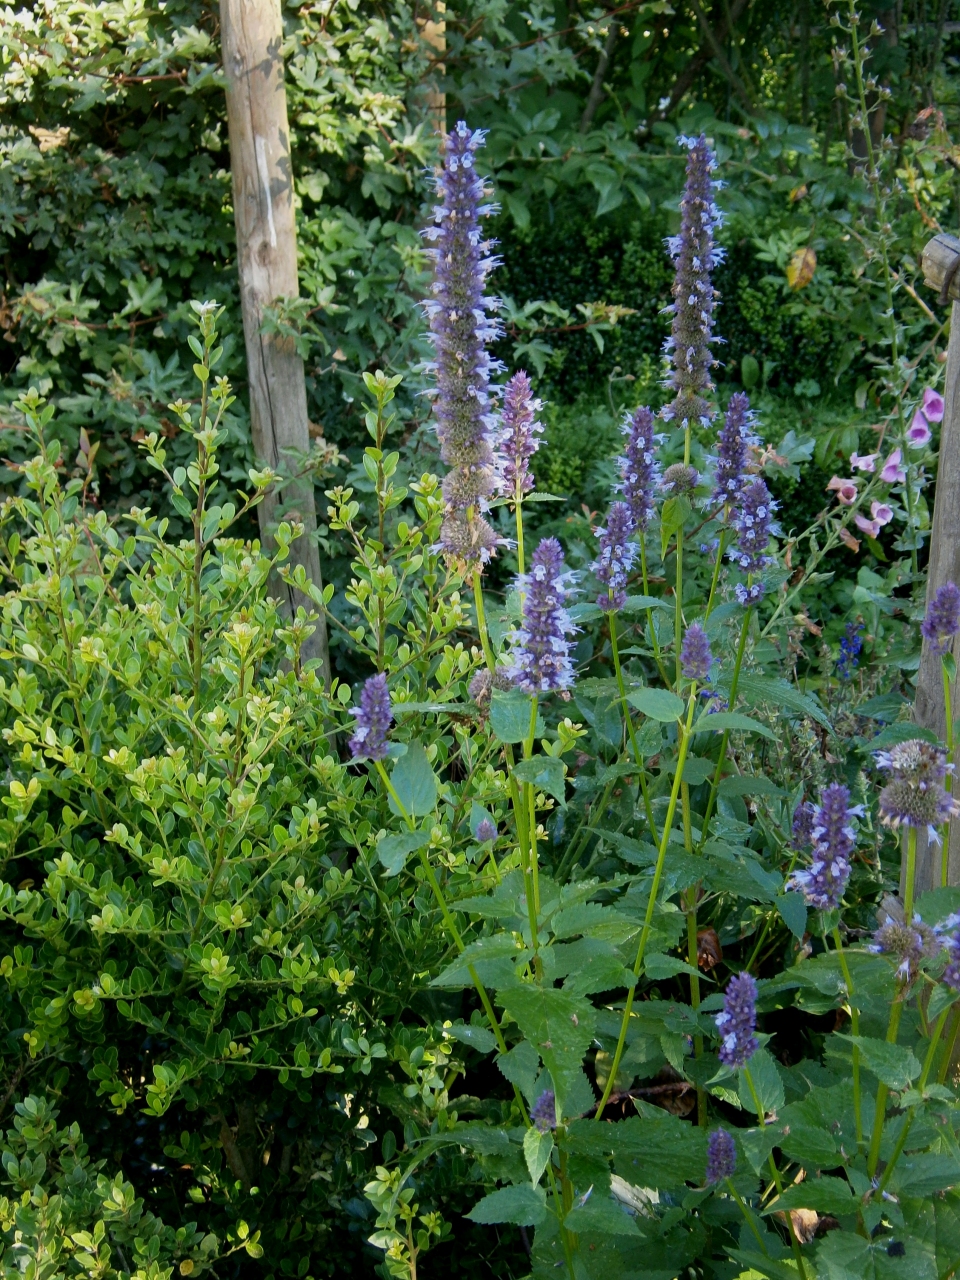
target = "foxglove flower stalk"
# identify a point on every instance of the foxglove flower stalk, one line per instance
(461, 329)
(695, 656)
(543, 1113)
(721, 1156)
(540, 658)
(738, 1021)
(942, 622)
(753, 523)
(373, 720)
(833, 838)
(639, 472)
(519, 435)
(914, 796)
(615, 558)
(694, 255)
(733, 442)
(908, 944)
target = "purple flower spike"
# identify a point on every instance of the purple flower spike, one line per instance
(615, 558)
(540, 659)
(908, 944)
(914, 796)
(695, 656)
(543, 1113)
(639, 472)
(374, 718)
(733, 442)
(738, 1021)
(949, 932)
(461, 330)
(833, 838)
(486, 830)
(695, 255)
(721, 1156)
(753, 522)
(519, 436)
(942, 622)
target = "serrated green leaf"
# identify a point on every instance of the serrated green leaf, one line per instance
(658, 704)
(394, 850)
(723, 720)
(510, 712)
(537, 1147)
(754, 689)
(544, 772)
(894, 1064)
(825, 1195)
(793, 912)
(414, 782)
(523, 1205)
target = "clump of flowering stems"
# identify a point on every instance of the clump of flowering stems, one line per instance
(374, 716)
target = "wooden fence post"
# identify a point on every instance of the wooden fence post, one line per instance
(267, 263)
(941, 270)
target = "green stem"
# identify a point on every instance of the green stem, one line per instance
(657, 656)
(855, 1028)
(893, 1026)
(910, 876)
(445, 912)
(678, 607)
(621, 686)
(652, 902)
(950, 1049)
(721, 548)
(482, 622)
(948, 780)
(531, 797)
(715, 784)
(749, 1217)
(518, 513)
(921, 1085)
(761, 1116)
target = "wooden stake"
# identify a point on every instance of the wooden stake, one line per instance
(267, 263)
(941, 270)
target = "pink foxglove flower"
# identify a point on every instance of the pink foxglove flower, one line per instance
(846, 490)
(893, 472)
(932, 405)
(881, 512)
(870, 527)
(919, 433)
(864, 461)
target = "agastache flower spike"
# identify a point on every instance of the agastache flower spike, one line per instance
(949, 931)
(738, 1021)
(695, 656)
(461, 330)
(908, 944)
(943, 619)
(543, 1113)
(721, 1156)
(833, 838)
(519, 435)
(732, 444)
(540, 658)
(615, 558)
(914, 796)
(695, 255)
(639, 472)
(373, 720)
(753, 522)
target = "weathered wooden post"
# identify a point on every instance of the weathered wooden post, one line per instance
(267, 264)
(941, 270)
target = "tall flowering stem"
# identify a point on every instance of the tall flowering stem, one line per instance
(684, 727)
(695, 255)
(460, 315)
(639, 478)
